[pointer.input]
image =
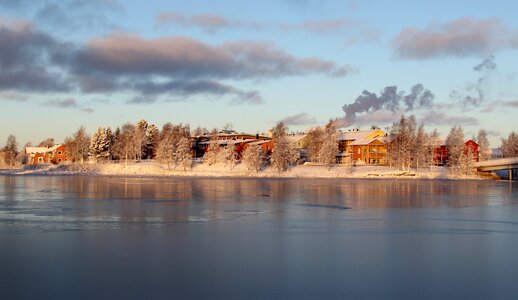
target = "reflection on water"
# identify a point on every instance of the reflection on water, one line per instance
(76, 201)
(87, 237)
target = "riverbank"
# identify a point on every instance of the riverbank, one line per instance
(220, 170)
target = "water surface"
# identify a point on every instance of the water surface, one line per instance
(66, 237)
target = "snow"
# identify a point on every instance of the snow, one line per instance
(153, 168)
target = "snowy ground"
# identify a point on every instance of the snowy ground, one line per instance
(219, 170)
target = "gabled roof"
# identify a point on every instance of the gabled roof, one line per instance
(34, 150)
(366, 141)
(358, 135)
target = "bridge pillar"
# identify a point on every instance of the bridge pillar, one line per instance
(510, 171)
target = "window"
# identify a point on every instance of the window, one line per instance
(359, 150)
(59, 160)
(40, 159)
(59, 152)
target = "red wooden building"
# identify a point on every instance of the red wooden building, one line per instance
(441, 152)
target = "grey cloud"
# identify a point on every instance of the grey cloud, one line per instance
(389, 99)
(441, 118)
(182, 57)
(457, 38)
(87, 110)
(13, 97)
(190, 88)
(299, 119)
(35, 61)
(62, 103)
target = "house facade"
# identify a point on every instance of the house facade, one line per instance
(46, 155)
(441, 154)
(369, 147)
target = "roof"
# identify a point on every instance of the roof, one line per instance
(366, 141)
(260, 142)
(358, 135)
(295, 138)
(34, 150)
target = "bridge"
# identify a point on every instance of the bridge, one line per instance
(510, 164)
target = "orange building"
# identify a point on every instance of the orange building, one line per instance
(46, 155)
(369, 146)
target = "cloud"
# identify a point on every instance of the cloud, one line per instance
(34, 61)
(190, 88)
(380, 117)
(510, 103)
(353, 30)
(62, 103)
(13, 97)
(299, 119)
(208, 22)
(458, 38)
(184, 57)
(389, 99)
(66, 15)
(440, 118)
(67, 103)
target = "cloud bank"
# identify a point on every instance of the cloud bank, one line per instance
(458, 38)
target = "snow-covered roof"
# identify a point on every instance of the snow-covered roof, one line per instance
(366, 141)
(259, 142)
(34, 150)
(226, 142)
(354, 135)
(295, 138)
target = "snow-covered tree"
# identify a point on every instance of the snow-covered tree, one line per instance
(125, 145)
(211, 155)
(484, 150)
(455, 145)
(420, 148)
(315, 140)
(283, 154)
(100, 145)
(329, 149)
(78, 145)
(152, 138)
(433, 143)
(402, 141)
(140, 138)
(11, 150)
(183, 152)
(510, 145)
(166, 150)
(253, 157)
(199, 131)
(227, 155)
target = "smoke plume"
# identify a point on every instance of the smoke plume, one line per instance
(484, 70)
(389, 99)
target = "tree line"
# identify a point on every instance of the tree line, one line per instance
(410, 146)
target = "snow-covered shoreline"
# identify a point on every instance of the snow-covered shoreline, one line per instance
(154, 169)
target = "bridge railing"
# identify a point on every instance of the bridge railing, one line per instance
(497, 162)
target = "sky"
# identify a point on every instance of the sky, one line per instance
(69, 63)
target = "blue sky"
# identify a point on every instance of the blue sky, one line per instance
(253, 63)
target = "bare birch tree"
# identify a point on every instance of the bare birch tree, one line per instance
(283, 154)
(455, 146)
(329, 149)
(78, 146)
(484, 150)
(11, 151)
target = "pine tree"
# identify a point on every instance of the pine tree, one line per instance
(253, 157)
(152, 138)
(11, 151)
(329, 148)
(100, 145)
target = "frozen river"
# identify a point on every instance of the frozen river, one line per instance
(80, 237)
